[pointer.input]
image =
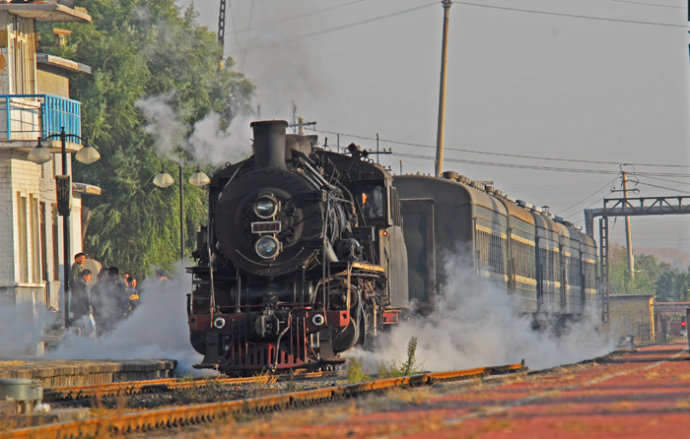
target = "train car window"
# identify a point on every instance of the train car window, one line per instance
(373, 204)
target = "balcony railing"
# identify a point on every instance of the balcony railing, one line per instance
(26, 117)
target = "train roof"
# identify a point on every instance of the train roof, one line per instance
(473, 196)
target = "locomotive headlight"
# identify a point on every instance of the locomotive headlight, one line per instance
(267, 247)
(265, 207)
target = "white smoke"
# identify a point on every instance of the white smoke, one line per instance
(475, 324)
(22, 329)
(166, 127)
(210, 144)
(157, 329)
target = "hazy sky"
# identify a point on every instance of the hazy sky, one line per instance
(594, 80)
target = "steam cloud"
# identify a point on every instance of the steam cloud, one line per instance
(156, 329)
(208, 142)
(21, 329)
(476, 325)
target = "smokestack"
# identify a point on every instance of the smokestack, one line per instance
(269, 143)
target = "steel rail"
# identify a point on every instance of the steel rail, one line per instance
(128, 388)
(185, 415)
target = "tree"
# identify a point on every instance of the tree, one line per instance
(140, 48)
(668, 284)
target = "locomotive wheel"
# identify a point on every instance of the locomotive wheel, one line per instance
(346, 338)
(366, 339)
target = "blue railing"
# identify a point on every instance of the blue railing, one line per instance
(27, 117)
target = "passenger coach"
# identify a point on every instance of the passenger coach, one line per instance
(545, 261)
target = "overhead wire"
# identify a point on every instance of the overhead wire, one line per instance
(664, 179)
(664, 187)
(649, 4)
(306, 14)
(583, 17)
(365, 21)
(234, 25)
(577, 204)
(500, 154)
(246, 46)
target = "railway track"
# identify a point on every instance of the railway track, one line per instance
(141, 421)
(130, 388)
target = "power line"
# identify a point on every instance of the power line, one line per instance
(584, 17)
(512, 165)
(246, 46)
(589, 196)
(666, 179)
(306, 14)
(234, 25)
(664, 187)
(365, 21)
(649, 4)
(535, 167)
(501, 154)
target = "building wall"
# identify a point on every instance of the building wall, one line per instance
(632, 314)
(31, 268)
(52, 84)
(31, 247)
(6, 221)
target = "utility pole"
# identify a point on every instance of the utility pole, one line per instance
(221, 24)
(628, 239)
(442, 90)
(298, 127)
(221, 32)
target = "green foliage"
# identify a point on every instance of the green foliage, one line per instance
(667, 283)
(407, 367)
(137, 49)
(355, 371)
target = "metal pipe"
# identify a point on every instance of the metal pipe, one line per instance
(65, 233)
(179, 164)
(442, 90)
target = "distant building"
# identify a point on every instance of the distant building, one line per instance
(632, 315)
(670, 318)
(34, 102)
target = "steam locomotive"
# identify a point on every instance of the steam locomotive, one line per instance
(309, 252)
(303, 257)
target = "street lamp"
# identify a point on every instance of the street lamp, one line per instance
(63, 183)
(163, 180)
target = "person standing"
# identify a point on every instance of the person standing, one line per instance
(77, 267)
(81, 301)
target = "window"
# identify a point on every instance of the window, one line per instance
(21, 36)
(22, 239)
(373, 203)
(56, 245)
(490, 251)
(35, 240)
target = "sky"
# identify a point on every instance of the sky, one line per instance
(537, 91)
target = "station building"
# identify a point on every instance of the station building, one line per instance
(35, 103)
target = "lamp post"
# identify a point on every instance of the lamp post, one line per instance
(63, 183)
(163, 180)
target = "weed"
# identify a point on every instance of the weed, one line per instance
(408, 367)
(355, 372)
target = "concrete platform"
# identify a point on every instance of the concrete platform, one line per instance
(84, 372)
(644, 393)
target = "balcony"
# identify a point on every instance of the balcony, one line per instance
(27, 117)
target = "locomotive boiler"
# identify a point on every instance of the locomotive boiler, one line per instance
(302, 258)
